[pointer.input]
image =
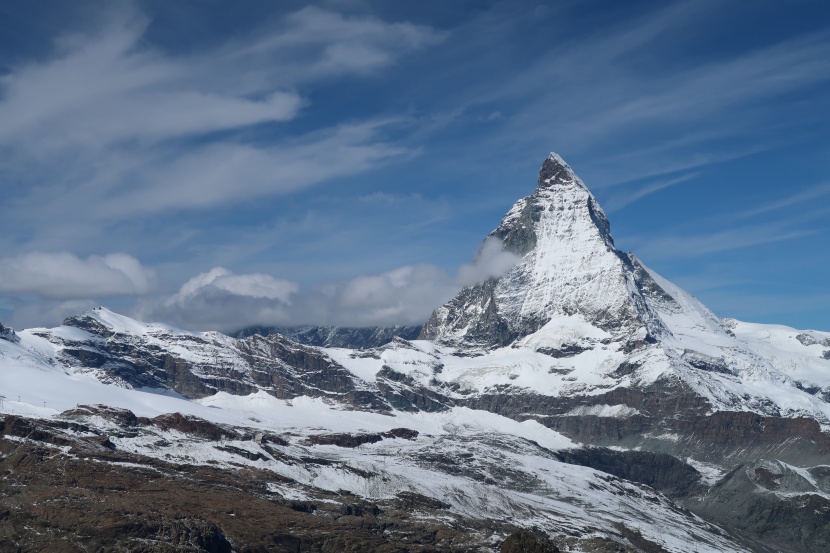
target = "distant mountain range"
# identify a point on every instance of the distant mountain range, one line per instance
(576, 402)
(336, 336)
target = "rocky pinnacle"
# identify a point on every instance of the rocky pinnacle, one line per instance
(569, 267)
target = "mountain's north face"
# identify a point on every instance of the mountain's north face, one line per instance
(577, 401)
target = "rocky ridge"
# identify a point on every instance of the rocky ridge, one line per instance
(337, 337)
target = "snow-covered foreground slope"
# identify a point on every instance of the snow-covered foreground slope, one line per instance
(477, 472)
(473, 465)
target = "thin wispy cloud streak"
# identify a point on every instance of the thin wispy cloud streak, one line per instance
(622, 200)
(313, 43)
(102, 90)
(812, 193)
(662, 162)
(697, 245)
(221, 173)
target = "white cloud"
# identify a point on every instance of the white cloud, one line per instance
(109, 87)
(688, 246)
(406, 295)
(620, 201)
(409, 294)
(256, 285)
(491, 261)
(219, 173)
(812, 193)
(611, 91)
(221, 300)
(63, 275)
(314, 43)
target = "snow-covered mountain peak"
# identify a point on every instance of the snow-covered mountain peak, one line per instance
(569, 265)
(555, 171)
(106, 322)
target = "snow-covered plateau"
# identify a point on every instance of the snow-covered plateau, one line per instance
(579, 396)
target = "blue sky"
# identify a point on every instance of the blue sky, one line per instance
(219, 164)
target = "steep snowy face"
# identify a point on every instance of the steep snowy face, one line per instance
(569, 266)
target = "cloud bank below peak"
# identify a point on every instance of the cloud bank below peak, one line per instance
(221, 300)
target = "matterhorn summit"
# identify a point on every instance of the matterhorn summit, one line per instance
(569, 267)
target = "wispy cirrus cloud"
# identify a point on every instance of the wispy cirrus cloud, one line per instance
(98, 91)
(622, 200)
(800, 197)
(314, 43)
(112, 127)
(101, 89)
(612, 91)
(230, 172)
(694, 245)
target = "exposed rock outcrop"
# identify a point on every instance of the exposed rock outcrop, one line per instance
(337, 336)
(8, 334)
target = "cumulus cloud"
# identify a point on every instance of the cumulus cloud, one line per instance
(63, 275)
(221, 300)
(406, 295)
